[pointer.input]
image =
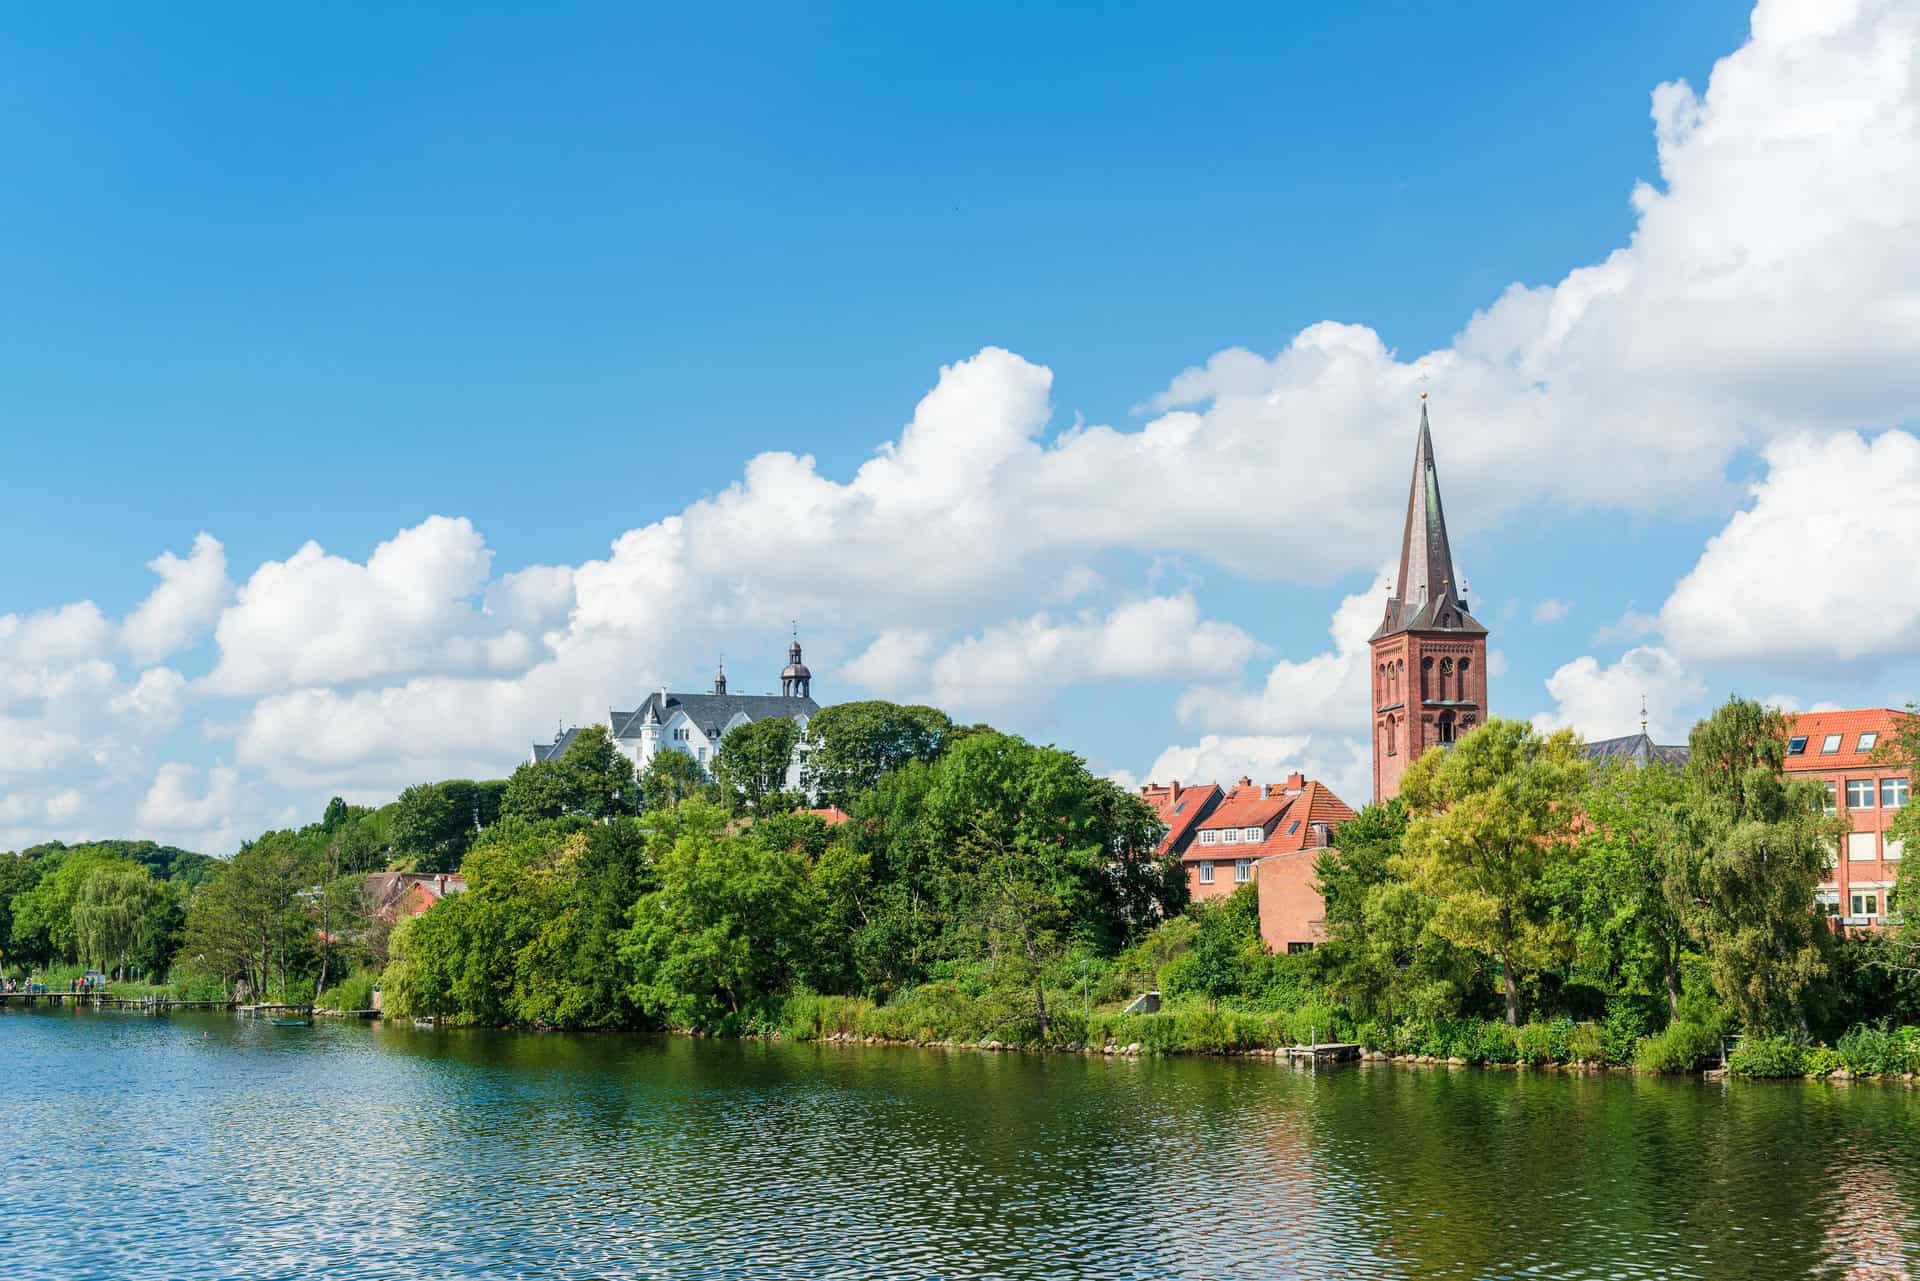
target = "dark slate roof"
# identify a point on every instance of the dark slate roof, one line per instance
(1638, 748)
(1427, 597)
(557, 748)
(710, 712)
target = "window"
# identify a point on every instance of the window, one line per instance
(1833, 797)
(1828, 901)
(1230, 837)
(1391, 749)
(1829, 744)
(1859, 793)
(1243, 870)
(1861, 847)
(1446, 727)
(1866, 903)
(1251, 835)
(1293, 827)
(1796, 745)
(1894, 850)
(1206, 873)
(1893, 793)
(1294, 949)
(703, 756)
(1867, 740)
(1208, 838)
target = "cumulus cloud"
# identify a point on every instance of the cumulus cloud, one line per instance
(1551, 610)
(1820, 567)
(1343, 764)
(192, 591)
(1604, 702)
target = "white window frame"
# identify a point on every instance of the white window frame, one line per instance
(1209, 837)
(1861, 847)
(1242, 871)
(1832, 803)
(1864, 786)
(1868, 738)
(1828, 902)
(1894, 850)
(1230, 836)
(1899, 788)
(1830, 744)
(1251, 836)
(1858, 901)
(1206, 873)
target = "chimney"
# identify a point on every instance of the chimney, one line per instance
(1173, 790)
(1244, 782)
(1266, 790)
(440, 884)
(1296, 781)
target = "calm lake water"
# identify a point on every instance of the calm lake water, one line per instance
(191, 1147)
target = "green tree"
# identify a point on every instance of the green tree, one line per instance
(720, 940)
(591, 778)
(850, 746)
(161, 930)
(43, 925)
(1753, 848)
(1492, 818)
(108, 911)
(671, 779)
(751, 765)
(250, 921)
(432, 825)
(1630, 902)
(18, 874)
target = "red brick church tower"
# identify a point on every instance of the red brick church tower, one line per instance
(1430, 654)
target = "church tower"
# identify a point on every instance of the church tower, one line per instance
(1429, 683)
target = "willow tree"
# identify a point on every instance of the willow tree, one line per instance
(108, 911)
(1493, 821)
(1753, 849)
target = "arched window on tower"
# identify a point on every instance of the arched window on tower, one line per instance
(1400, 681)
(1461, 687)
(1426, 679)
(1446, 678)
(1445, 727)
(1392, 748)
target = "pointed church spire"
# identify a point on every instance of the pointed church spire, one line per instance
(1428, 596)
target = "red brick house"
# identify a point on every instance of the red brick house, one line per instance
(1268, 835)
(1838, 748)
(397, 896)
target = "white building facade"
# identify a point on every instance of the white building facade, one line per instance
(696, 723)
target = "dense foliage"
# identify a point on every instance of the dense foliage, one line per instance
(1519, 904)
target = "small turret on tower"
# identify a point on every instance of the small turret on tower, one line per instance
(795, 679)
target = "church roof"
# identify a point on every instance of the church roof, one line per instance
(1427, 596)
(711, 712)
(1638, 748)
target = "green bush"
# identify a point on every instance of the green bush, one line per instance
(1769, 1056)
(1205, 1032)
(1819, 1060)
(1539, 1043)
(1585, 1044)
(1066, 1027)
(354, 992)
(1251, 1031)
(1626, 1021)
(1494, 1043)
(1157, 1033)
(1681, 1048)
(1869, 1050)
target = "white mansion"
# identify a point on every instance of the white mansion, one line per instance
(695, 723)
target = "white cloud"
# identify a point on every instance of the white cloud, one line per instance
(190, 596)
(1820, 568)
(1551, 610)
(1630, 626)
(1604, 702)
(179, 804)
(1327, 691)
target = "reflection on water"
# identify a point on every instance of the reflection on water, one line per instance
(187, 1147)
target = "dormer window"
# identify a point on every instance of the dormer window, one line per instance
(1209, 837)
(1252, 834)
(1230, 837)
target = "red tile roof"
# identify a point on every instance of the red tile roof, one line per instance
(1180, 808)
(1849, 725)
(1285, 813)
(832, 815)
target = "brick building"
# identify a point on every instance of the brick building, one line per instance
(1264, 834)
(1838, 748)
(1429, 654)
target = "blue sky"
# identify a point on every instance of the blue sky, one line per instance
(563, 273)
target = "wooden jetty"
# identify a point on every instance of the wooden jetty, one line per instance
(1324, 1052)
(106, 1001)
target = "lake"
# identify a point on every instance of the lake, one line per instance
(208, 1146)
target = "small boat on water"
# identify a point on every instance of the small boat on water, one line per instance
(292, 1022)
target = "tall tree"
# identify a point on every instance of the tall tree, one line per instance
(1492, 817)
(671, 779)
(592, 778)
(1630, 900)
(108, 911)
(246, 921)
(1753, 848)
(849, 746)
(752, 763)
